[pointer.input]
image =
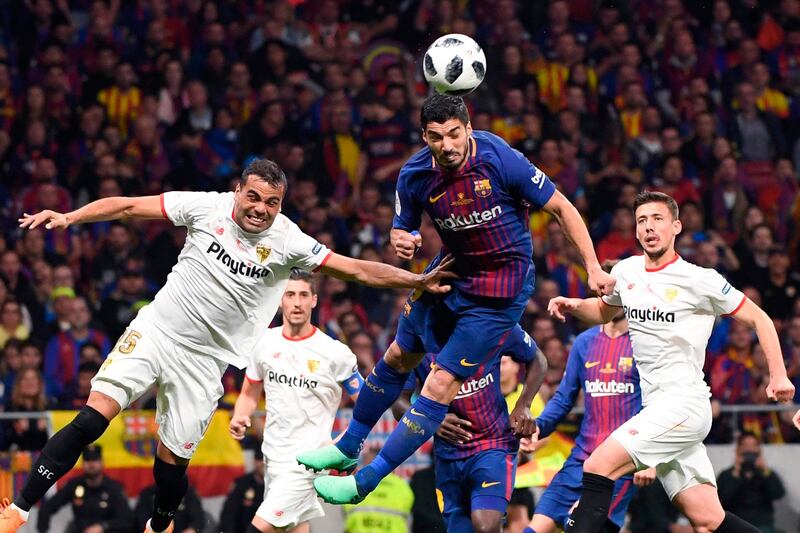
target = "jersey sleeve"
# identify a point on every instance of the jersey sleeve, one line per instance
(563, 400)
(407, 211)
(614, 298)
(525, 180)
(187, 208)
(520, 346)
(254, 371)
(716, 295)
(305, 252)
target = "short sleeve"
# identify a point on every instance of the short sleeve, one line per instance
(525, 180)
(254, 371)
(716, 295)
(614, 298)
(187, 208)
(520, 346)
(304, 251)
(407, 213)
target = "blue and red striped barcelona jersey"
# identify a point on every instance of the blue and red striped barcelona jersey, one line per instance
(480, 212)
(604, 369)
(480, 401)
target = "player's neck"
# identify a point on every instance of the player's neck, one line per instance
(660, 262)
(614, 329)
(298, 332)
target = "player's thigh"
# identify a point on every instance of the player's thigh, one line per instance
(452, 495)
(490, 477)
(132, 366)
(189, 389)
(665, 429)
(700, 504)
(690, 469)
(562, 493)
(476, 339)
(289, 497)
(611, 459)
(543, 524)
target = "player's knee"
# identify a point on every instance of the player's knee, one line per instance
(487, 522)
(441, 386)
(705, 520)
(594, 465)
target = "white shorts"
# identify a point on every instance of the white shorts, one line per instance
(668, 434)
(189, 383)
(289, 496)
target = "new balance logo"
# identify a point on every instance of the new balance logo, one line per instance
(472, 220)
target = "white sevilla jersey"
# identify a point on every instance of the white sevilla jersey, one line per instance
(227, 285)
(671, 311)
(303, 387)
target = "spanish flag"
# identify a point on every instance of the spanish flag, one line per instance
(129, 445)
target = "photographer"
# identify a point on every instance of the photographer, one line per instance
(749, 487)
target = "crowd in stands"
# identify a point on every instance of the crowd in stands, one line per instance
(102, 97)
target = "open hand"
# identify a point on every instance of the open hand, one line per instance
(560, 305)
(432, 281)
(51, 220)
(453, 429)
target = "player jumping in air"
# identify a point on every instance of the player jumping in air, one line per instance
(601, 364)
(671, 306)
(478, 192)
(301, 371)
(224, 289)
(475, 466)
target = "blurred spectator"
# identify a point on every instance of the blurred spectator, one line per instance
(733, 378)
(781, 288)
(97, 501)
(750, 487)
(123, 99)
(763, 132)
(76, 392)
(189, 517)
(63, 350)
(127, 297)
(620, 242)
(244, 499)
(755, 264)
(11, 326)
(27, 395)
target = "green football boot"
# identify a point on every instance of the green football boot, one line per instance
(329, 457)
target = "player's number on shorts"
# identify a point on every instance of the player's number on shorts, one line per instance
(127, 342)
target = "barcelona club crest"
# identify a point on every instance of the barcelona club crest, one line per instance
(483, 188)
(262, 252)
(625, 364)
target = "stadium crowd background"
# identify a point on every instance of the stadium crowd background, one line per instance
(100, 98)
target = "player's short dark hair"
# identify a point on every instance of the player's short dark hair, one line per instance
(298, 274)
(441, 108)
(648, 197)
(265, 170)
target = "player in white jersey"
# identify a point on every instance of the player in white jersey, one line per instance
(301, 371)
(216, 303)
(671, 306)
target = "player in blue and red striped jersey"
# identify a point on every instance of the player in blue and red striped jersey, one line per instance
(475, 449)
(601, 364)
(478, 192)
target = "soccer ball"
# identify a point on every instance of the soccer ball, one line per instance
(454, 64)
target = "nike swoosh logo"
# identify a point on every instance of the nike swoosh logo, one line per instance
(464, 362)
(415, 412)
(434, 199)
(487, 485)
(591, 364)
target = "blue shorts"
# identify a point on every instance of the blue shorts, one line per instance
(464, 331)
(482, 481)
(565, 489)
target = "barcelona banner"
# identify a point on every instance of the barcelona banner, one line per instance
(129, 445)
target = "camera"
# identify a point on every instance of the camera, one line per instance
(749, 461)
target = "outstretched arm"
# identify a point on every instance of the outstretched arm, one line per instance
(104, 209)
(780, 387)
(575, 229)
(377, 274)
